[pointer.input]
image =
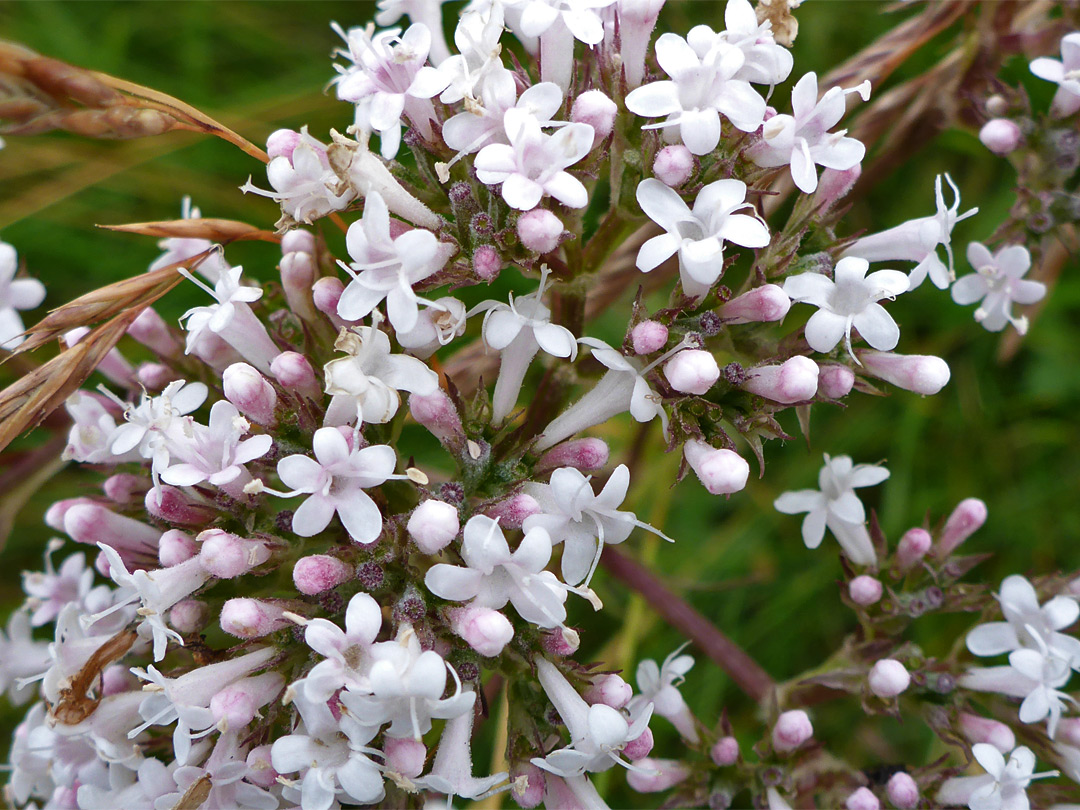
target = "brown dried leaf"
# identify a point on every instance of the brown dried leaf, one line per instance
(77, 700)
(195, 795)
(222, 231)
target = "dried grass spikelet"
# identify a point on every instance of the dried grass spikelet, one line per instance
(81, 696)
(222, 231)
(39, 94)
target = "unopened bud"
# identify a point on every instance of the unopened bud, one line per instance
(227, 556)
(640, 747)
(151, 331)
(902, 791)
(673, 165)
(57, 512)
(189, 616)
(437, 413)
(249, 391)
(298, 241)
(1000, 135)
(154, 376)
(325, 294)
(124, 488)
(587, 455)
(294, 373)
(117, 679)
(835, 381)
(173, 506)
(318, 573)
(512, 512)
(648, 337)
(792, 729)
(888, 678)
(485, 630)
(487, 263)
(175, 547)
(794, 380)
(692, 371)
(260, 767)
(527, 787)
(252, 618)
(721, 471)
(281, 143)
(610, 690)
(997, 105)
(985, 730)
(864, 590)
(539, 230)
(967, 517)
(921, 373)
(87, 522)
(405, 756)
(912, 547)
(561, 641)
(762, 304)
(597, 110)
(654, 775)
(862, 799)
(725, 751)
(432, 525)
(834, 185)
(297, 278)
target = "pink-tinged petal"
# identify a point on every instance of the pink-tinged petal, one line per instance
(428, 82)
(495, 162)
(1014, 261)
(654, 100)
(361, 780)
(572, 143)
(251, 449)
(825, 329)
(465, 132)
(797, 501)
(700, 130)
(183, 475)
(1050, 69)
(809, 288)
(537, 17)
(994, 638)
(656, 251)
(803, 172)
(292, 753)
(363, 618)
(567, 189)
(501, 326)
(360, 517)
(813, 528)
(331, 448)
(741, 104)
(313, 516)
(745, 230)
(371, 466)
(804, 96)
(189, 397)
(357, 301)
(1061, 612)
(1066, 100)
(520, 192)
(1017, 594)
(1025, 291)
(542, 100)
(979, 256)
(969, 289)
(877, 327)
(300, 472)
(325, 638)
(25, 293)
(453, 582)
(840, 154)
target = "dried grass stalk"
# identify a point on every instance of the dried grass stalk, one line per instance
(222, 231)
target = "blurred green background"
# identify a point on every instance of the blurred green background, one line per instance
(1006, 432)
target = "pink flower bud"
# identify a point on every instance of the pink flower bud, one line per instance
(641, 747)
(862, 799)
(173, 506)
(673, 165)
(319, 573)
(233, 705)
(611, 690)
(189, 616)
(124, 488)
(762, 304)
(294, 373)
(297, 278)
(725, 751)
(252, 618)
(985, 730)
(586, 455)
(154, 376)
(325, 294)
(297, 241)
(792, 729)
(117, 679)
(965, 520)
(835, 381)
(175, 547)
(656, 775)
(91, 523)
(282, 142)
(539, 230)
(864, 590)
(437, 413)
(794, 380)
(214, 351)
(432, 525)
(559, 642)
(249, 391)
(487, 263)
(902, 791)
(912, 548)
(648, 337)
(692, 371)
(227, 556)
(921, 373)
(485, 630)
(1068, 731)
(405, 756)
(597, 110)
(721, 471)
(260, 769)
(151, 331)
(888, 678)
(512, 512)
(1000, 135)
(527, 787)
(113, 366)
(834, 185)
(57, 513)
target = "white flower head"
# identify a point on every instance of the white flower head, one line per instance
(15, 294)
(215, 453)
(346, 652)
(766, 61)
(1002, 787)
(851, 300)
(659, 686)
(836, 506)
(479, 55)
(1065, 74)
(1024, 620)
(998, 282)
(720, 214)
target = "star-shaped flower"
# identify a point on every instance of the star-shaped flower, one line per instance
(998, 282)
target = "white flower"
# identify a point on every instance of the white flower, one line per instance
(917, 239)
(836, 506)
(703, 86)
(177, 249)
(155, 420)
(477, 38)
(16, 294)
(226, 771)
(1002, 787)
(1047, 673)
(345, 651)
(720, 214)
(428, 12)
(405, 688)
(388, 78)
(1025, 620)
(850, 300)
(451, 773)
(91, 436)
(387, 268)
(533, 165)
(802, 139)
(1065, 74)
(216, 454)
(335, 480)
(437, 325)
(495, 576)
(365, 384)
(21, 657)
(519, 330)
(766, 62)
(998, 281)
(659, 685)
(49, 590)
(580, 16)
